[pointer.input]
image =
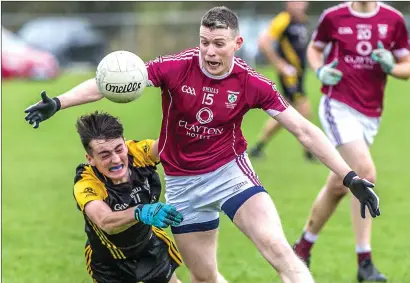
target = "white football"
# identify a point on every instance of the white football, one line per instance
(121, 76)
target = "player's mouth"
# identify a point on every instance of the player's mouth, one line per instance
(213, 64)
(116, 168)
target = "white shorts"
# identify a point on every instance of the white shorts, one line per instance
(201, 198)
(343, 124)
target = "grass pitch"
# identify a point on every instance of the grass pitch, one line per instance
(43, 236)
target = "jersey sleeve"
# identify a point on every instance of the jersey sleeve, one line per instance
(167, 70)
(401, 43)
(322, 35)
(263, 93)
(158, 71)
(142, 152)
(278, 25)
(87, 187)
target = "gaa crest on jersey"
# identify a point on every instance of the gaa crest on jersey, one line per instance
(383, 28)
(232, 97)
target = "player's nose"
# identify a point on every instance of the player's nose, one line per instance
(210, 51)
(116, 158)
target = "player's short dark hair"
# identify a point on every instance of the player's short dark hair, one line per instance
(100, 126)
(221, 18)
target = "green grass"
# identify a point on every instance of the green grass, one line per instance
(43, 236)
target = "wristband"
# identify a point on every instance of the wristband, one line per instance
(136, 216)
(348, 178)
(58, 103)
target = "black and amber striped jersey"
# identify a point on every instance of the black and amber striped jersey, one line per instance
(90, 184)
(290, 39)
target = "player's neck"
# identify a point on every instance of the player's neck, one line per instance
(125, 179)
(364, 6)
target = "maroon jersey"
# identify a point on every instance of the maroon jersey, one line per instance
(202, 114)
(353, 37)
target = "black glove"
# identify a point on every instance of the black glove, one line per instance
(362, 190)
(42, 110)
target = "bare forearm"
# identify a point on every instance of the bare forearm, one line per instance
(401, 70)
(118, 221)
(317, 143)
(83, 93)
(315, 57)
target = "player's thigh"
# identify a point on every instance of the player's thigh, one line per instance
(259, 220)
(198, 250)
(358, 156)
(107, 271)
(101, 271)
(161, 260)
(338, 122)
(192, 197)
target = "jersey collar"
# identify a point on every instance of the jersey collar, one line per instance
(363, 15)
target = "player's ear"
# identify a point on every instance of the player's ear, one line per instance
(90, 159)
(238, 42)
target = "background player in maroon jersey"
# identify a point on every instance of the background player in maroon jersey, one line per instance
(206, 92)
(369, 42)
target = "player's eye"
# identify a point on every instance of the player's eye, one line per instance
(219, 44)
(119, 150)
(105, 156)
(204, 43)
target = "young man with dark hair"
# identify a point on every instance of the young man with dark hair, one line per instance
(117, 192)
(206, 92)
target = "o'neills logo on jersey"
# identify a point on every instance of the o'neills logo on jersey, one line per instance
(122, 88)
(199, 131)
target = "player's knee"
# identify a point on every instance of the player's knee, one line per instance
(368, 173)
(205, 275)
(335, 187)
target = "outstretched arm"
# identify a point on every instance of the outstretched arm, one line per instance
(81, 94)
(316, 142)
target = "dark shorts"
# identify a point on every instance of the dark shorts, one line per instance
(292, 87)
(155, 264)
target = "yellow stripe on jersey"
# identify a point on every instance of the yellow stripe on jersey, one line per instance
(172, 250)
(89, 188)
(290, 54)
(142, 152)
(278, 25)
(88, 253)
(115, 252)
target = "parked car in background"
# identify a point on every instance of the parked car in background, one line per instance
(20, 60)
(71, 40)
